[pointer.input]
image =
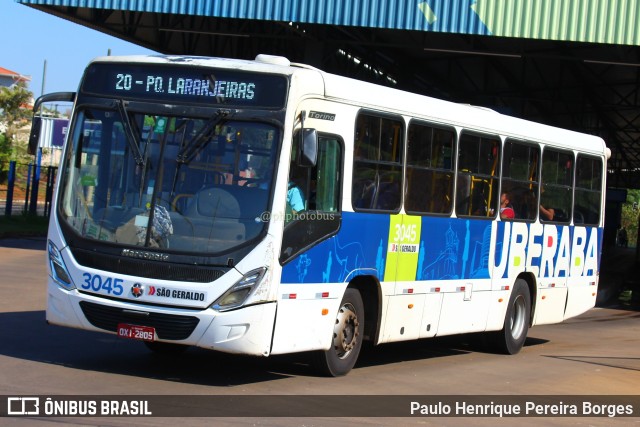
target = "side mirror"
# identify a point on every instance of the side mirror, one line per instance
(34, 136)
(36, 121)
(308, 155)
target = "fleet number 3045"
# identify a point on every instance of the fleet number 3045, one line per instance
(97, 283)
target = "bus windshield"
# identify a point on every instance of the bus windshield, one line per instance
(168, 182)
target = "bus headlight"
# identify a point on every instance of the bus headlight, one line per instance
(252, 284)
(59, 271)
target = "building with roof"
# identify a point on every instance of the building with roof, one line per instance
(9, 78)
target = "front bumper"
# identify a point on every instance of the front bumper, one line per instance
(247, 330)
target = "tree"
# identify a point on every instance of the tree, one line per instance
(12, 115)
(629, 216)
(12, 103)
(5, 147)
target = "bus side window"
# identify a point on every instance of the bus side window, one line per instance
(429, 170)
(477, 178)
(377, 165)
(588, 191)
(557, 186)
(520, 177)
(316, 188)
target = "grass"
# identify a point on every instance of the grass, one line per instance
(23, 226)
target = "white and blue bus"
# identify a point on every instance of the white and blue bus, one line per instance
(263, 207)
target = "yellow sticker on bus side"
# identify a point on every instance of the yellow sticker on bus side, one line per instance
(403, 248)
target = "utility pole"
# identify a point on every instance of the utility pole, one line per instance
(44, 76)
(33, 207)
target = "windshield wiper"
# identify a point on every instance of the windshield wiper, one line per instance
(128, 130)
(190, 150)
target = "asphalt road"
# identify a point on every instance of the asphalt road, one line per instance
(597, 353)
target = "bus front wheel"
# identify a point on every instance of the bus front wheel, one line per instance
(516, 322)
(347, 337)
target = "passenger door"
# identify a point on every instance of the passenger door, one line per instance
(315, 191)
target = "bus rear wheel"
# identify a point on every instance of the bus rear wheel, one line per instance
(347, 337)
(516, 322)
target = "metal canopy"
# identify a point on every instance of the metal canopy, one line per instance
(588, 87)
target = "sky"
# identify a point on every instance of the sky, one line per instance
(28, 37)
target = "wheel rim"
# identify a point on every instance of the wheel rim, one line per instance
(518, 317)
(345, 331)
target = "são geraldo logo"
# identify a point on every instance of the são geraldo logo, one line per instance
(545, 250)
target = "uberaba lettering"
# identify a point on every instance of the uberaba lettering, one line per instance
(546, 250)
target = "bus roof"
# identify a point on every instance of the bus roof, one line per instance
(381, 98)
(263, 63)
(464, 115)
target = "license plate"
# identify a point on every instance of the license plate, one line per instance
(136, 332)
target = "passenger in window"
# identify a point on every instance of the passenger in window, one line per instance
(506, 210)
(295, 199)
(261, 175)
(546, 214)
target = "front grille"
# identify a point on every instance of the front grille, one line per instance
(167, 326)
(146, 268)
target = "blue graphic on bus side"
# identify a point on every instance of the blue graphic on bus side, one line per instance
(449, 249)
(453, 249)
(359, 248)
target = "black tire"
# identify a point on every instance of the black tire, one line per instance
(516, 321)
(347, 337)
(165, 348)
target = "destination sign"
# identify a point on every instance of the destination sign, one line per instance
(185, 84)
